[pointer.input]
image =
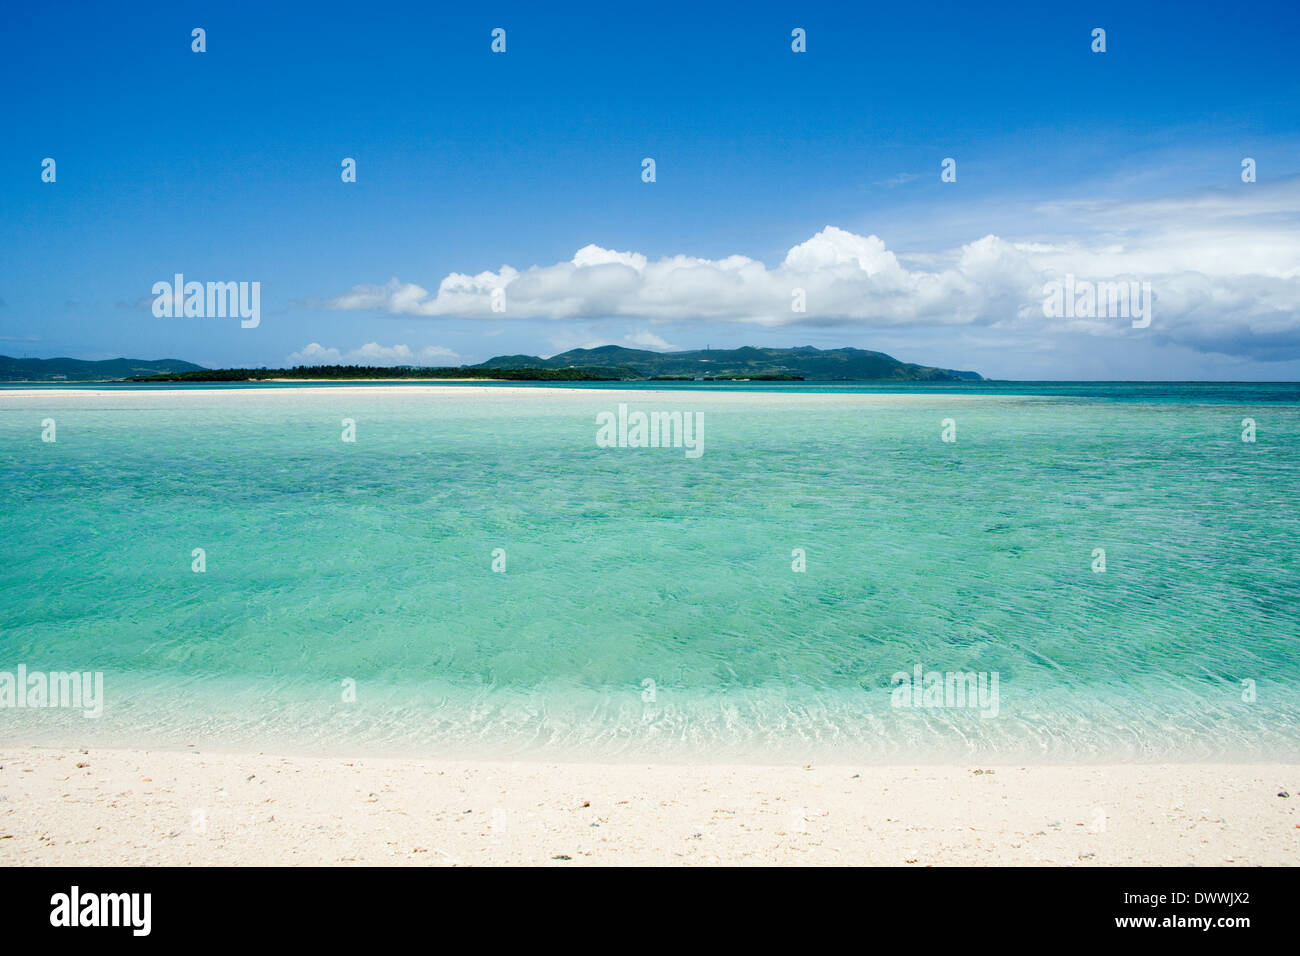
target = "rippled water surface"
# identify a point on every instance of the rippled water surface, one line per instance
(648, 606)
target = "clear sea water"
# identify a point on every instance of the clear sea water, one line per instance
(371, 562)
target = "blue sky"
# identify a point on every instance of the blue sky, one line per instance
(225, 165)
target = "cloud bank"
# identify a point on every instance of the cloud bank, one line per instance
(1224, 267)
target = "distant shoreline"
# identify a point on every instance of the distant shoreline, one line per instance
(470, 388)
(604, 363)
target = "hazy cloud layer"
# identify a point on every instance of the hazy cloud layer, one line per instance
(1224, 268)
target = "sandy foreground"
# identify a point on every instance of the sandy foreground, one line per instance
(106, 807)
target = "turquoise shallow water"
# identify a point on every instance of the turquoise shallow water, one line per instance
(372, 562)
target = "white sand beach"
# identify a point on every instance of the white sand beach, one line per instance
(73, 807)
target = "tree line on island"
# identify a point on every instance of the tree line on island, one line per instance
(610, 363)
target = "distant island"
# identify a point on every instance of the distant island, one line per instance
(804, 362)
(78, 370)
(609, 363)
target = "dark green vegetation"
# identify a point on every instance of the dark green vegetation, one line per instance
(76, 370)
(609, 363)
(756, 364)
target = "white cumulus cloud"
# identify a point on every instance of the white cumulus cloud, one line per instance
(1224, 269)
(372, 353)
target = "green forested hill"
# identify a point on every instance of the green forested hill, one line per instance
(805, 362)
